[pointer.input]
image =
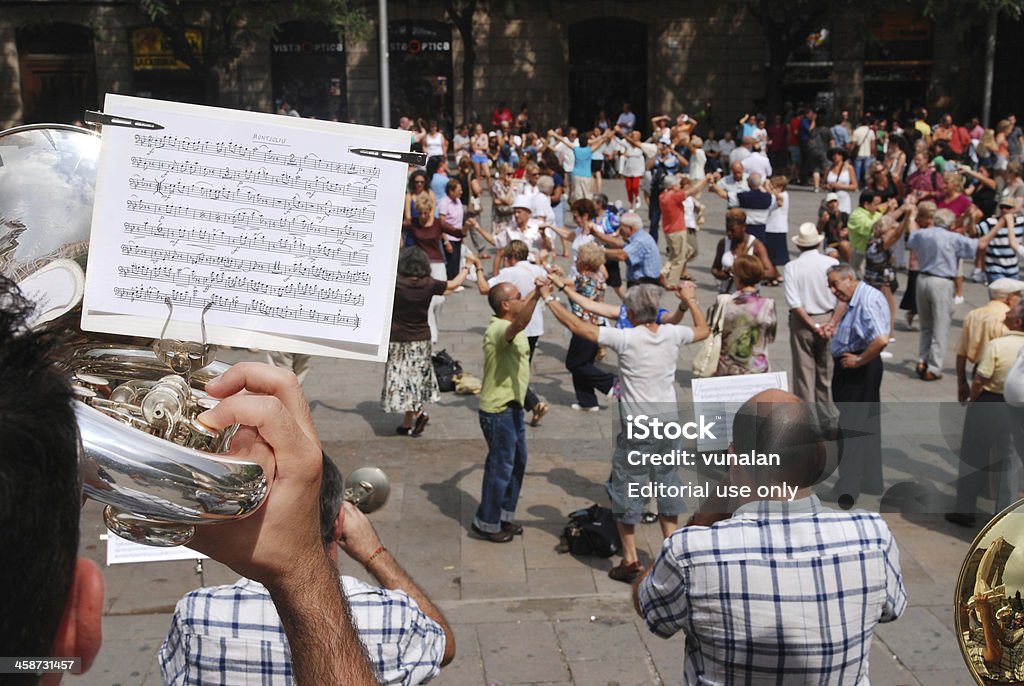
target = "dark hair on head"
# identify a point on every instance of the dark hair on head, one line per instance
(40, 482)
(415, 175)
(413, 261)
(585, 206)
(550, 160)
(868, 196)
(788, 429)
(452, 185)
(332, 495)
(433, 164)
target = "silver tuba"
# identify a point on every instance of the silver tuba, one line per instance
(145, 456)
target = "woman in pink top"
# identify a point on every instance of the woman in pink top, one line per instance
(956, 201)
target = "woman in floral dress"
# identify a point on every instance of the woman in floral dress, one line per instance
(748, 323)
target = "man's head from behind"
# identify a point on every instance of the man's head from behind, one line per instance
(778, 422)
(52, 601)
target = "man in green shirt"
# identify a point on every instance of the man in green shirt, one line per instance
(859, 226)
(506, 376)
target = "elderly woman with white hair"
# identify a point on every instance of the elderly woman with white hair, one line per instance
(648, 354)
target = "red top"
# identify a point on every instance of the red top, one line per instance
(673, 217)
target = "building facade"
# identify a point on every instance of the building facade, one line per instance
(566, 61)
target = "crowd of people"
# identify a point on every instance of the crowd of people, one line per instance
(938, 202)
(941, 202)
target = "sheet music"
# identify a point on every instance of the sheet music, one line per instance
(289, 237)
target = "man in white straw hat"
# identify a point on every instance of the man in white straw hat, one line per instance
(812, 307)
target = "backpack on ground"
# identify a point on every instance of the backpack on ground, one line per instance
(591, 532)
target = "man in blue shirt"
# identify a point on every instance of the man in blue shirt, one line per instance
(939, 250)
(857, 343)
(636, 248)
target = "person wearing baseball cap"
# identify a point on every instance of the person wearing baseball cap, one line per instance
(811, 310)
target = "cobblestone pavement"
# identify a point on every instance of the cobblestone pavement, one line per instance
(522, 612)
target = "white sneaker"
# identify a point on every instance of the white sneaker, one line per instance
(580, 408)
(978, 275)
(885, 355)
(958, 300)
(460, 289)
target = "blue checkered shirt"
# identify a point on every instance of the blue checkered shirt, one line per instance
(781, 593)
(231, 635)
(644, 260)
(866, 318)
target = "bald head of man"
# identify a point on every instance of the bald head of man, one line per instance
(502, 299)
(778, 422)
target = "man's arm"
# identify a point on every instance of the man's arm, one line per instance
(610, 240)
(360, 540)
(601, 309)
(719, 191)
(523, 318)
(874, 349)
(963, 389)
(570, 321)
(280, 546)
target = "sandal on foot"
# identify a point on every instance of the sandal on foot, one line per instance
(404, 430)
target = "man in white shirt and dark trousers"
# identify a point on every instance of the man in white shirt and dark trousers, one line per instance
(812, 307)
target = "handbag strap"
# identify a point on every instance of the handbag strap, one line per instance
(718, 311)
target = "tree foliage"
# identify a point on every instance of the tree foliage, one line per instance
(230, 27)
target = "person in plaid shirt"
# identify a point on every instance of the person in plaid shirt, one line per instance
(232, 634)
(782, 591)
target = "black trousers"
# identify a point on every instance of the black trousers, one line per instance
(586, 375)
(453, 259)
(989, 428)
(856, 393)
(531, 397)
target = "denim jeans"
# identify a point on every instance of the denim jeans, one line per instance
(860, 168)
(505, 433)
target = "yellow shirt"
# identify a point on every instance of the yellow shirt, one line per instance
(506, 368)
(997, 358)
(981, 325)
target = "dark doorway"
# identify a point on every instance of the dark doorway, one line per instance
(607, 67)
(308, 70)
(420, 55)
(58, 76)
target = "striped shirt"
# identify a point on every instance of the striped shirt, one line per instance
(1000, 259)
(781, 593)
(232, 635)
(866, 318)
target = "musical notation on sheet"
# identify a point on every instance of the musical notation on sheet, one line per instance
(270, 221)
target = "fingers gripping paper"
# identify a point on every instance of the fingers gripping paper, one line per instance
(289, 237)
